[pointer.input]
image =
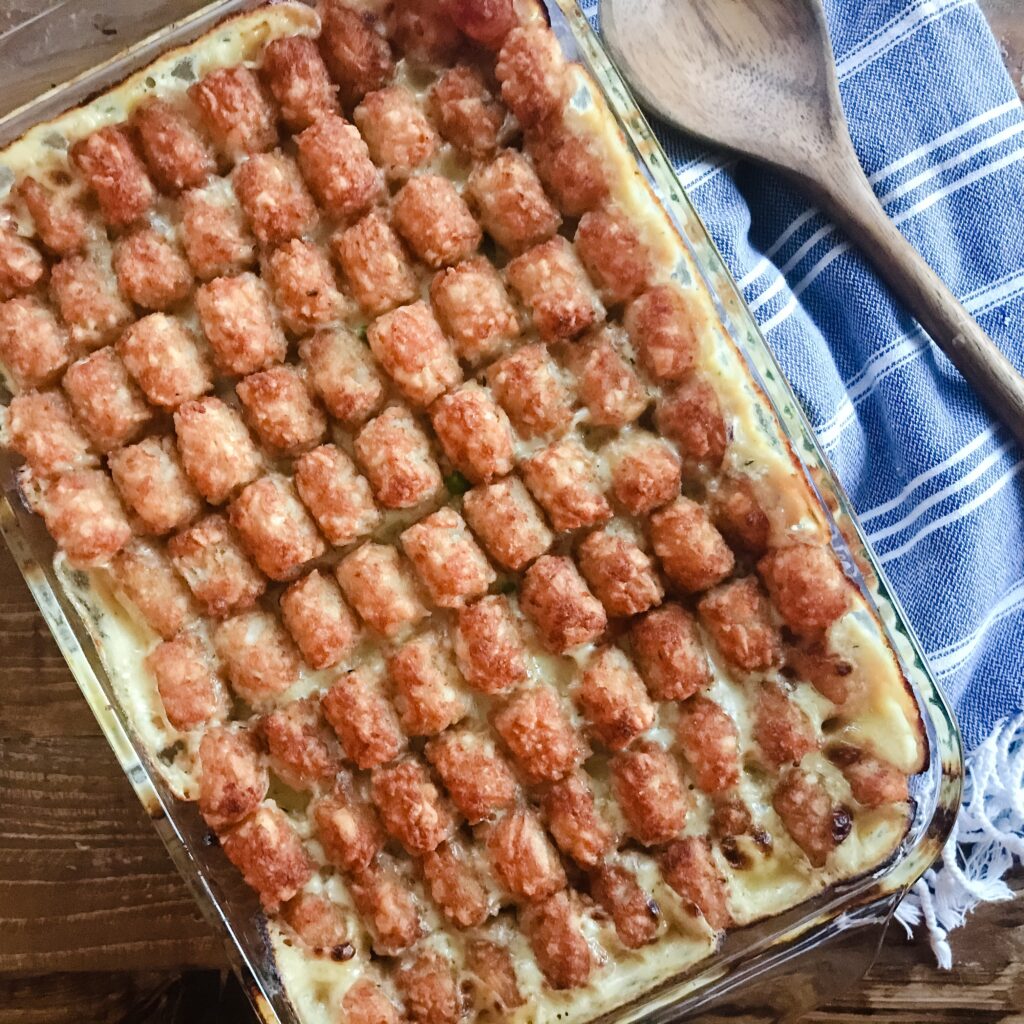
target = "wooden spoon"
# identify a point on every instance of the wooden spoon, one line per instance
(758, 77)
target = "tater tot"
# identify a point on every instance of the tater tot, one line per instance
(318, 620)
(781, 727)
(269, 853)
(609, 246)
(240, 323)
(557, 940)
(572, 817)
(529, 387)
(689, 868)
(478, 779)
(555, 598)
(449, 563)
(669, 654)
(551, 281)
(337, 496)
(646, 472)
(381, 588)
(365, 1003)
(427, 985)
(21, 264)
(235, 111)
(298, 80)
(633, 910)
(738, 617)
(426, 686)
(739, 516)
(508, 522)
(409, 344)
(145, 576)
(303, 281)
(233, 779)
(423, 31)
(387, 907)
(114, 172)
(473, 307)
(259, 658)
(88, 301)
(492, 965)
(84, 517)
(33, 347)
(873, 781)
(454, 885)
(619, 573)
(522, 856)
(474, 432)
(410, 806)
(215, 567)
(274, 198)
(302, 747)
(692, 552)
(275, 527)
(58, 217)
(397, 132)
(337, 167)
(216, 450)
(435, 221)
(365, 721)
(150, 479)
(279, 408)
(375, 265)
(605, 380)
(533, 74)
(709, 740)
(394, 452)
(488, 645)
(486, 22)
(807, 810)
(691, 415)
(175, 153)
(319, 923)
(191, 692)
(806, 586)
(105, 400)
(215, 235)
(511, 203)
(829, 673)
(342, 372)
(466, 113)
(353, 45)
(538, 732)
(650, 791)
(564, 480)
(666, 325)
(41, 429)
(731, 817)
(613, 700)
(348, 828)
(571, 166)
(163, 357)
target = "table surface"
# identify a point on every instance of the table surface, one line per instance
(96, 926)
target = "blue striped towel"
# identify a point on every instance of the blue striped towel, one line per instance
(939, 486)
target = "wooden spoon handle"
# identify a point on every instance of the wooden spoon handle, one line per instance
(846, 194)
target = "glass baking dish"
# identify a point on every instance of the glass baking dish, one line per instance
(789, 962)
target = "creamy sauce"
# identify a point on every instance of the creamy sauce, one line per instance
(770, 881)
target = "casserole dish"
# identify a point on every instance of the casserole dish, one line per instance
(747, 954)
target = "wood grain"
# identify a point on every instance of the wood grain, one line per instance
(97, 928)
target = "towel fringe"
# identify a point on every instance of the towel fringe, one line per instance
(986, 842)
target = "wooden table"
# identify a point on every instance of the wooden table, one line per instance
(97, 928)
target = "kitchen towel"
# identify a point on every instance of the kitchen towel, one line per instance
(938, 485)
